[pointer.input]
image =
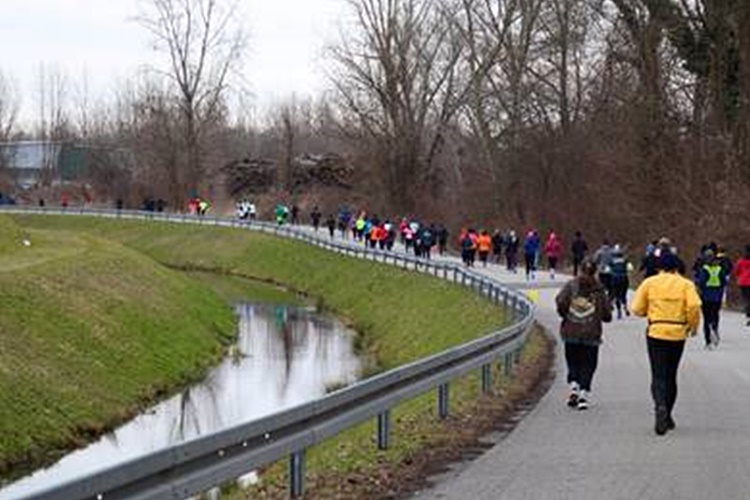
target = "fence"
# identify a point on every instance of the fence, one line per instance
(196, 466)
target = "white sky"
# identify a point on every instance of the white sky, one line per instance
(99, 38)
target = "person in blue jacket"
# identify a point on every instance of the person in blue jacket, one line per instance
(530, 251)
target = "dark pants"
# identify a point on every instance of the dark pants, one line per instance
(710, 319)
(483, 257)
(510, 258)
(664, 356)
(552, 261)
(577, 259)
(581, 360)
(745, 293)
(619, 286)
(530, 263)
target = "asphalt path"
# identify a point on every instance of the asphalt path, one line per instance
(611, 451)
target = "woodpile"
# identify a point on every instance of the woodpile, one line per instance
(255, 176)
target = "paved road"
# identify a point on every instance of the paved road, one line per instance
(611, 451)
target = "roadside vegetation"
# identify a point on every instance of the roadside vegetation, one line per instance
(400, 317)
(90, 331)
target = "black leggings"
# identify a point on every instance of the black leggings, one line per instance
(745, 293)
(581, 360)
(619, 286)
(664, 356)
(710, 318)
(530, 263)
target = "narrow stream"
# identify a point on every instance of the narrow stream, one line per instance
(283, 357)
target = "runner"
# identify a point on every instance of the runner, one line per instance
(583, 306)
(442, 239)
(331, 225)
(620, 267)
(511, 251)
(315, 217)
(742, 273)
(603, 261)
(530, 251)
(484, 245)
(578, 249)
(672, 306)
(552, 249)
(497, 245)
(712, 280)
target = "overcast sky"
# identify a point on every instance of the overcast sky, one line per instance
(98, 37)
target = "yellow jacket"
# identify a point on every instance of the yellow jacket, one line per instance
(671, 304)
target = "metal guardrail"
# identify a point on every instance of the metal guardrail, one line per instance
(196, 466)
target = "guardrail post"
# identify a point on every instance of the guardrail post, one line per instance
(297, 474)
(455, 274)
(384, 429)
(508, 365)
(486, 378)
(443, 394)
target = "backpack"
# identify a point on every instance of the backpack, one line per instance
(582, 318)
(582, 309)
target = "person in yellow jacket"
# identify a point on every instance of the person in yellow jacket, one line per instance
(672, 306)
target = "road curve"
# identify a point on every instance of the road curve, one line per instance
(611, 451)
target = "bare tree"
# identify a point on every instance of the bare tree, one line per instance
(54, 123)
(9, 106)
(397, 79)
(502, 37)
(203, 43)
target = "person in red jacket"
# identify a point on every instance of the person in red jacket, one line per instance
(553, 249)
(742, 272)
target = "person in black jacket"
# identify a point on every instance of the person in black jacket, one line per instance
(583, 304)
(578, 248)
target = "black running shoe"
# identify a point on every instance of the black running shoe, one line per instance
(661, 425)
(670, 423)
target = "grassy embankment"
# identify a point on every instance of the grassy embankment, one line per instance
(89, 332)
(400, 317)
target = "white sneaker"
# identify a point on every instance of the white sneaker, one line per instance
(584, 400)
(573, 395)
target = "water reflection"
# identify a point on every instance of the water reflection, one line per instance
(283, 357)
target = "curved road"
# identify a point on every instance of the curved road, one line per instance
(611, 451)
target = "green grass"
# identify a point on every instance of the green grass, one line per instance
(89, 331)
(11, 236)
(400, 316)
(236, 289)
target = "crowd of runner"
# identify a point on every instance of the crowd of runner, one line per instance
(711, 272)
(670, 295)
